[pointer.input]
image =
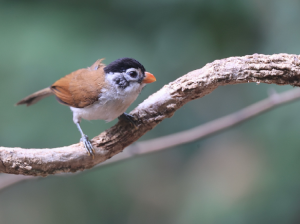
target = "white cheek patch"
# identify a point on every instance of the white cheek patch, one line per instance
(109, 77)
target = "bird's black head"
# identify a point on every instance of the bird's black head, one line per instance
(122, 64)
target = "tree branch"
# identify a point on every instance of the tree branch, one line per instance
(280, 69)
(202, 131)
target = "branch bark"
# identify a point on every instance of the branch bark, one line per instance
(280, 69)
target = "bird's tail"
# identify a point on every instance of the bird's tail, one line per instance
(35, 97)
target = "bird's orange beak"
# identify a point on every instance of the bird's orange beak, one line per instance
(149, 78)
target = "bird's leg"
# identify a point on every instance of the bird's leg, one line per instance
(129, 118)
(86, 142)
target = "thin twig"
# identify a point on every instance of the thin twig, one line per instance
(7, 180)
(210, 128)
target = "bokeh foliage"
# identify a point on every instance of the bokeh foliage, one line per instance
(248, 174)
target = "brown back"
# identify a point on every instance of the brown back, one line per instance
(80, 88)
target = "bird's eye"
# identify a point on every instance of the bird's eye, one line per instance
(133, 74)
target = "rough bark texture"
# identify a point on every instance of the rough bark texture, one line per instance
(280, 69)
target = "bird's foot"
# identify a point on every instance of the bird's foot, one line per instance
(129, 118)
(88, 145)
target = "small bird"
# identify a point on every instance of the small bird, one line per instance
(98, 92)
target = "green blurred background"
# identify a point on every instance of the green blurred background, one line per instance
(248, 174)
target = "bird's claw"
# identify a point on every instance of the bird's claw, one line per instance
(88, 145)
(129, 118)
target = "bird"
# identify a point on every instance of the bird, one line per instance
(98, 92)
